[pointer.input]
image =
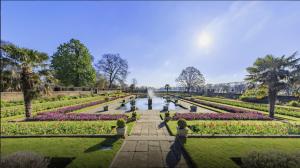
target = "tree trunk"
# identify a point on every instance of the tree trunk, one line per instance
(28, 107)
(272, 100)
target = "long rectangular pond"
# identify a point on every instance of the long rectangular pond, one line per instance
(157, 104)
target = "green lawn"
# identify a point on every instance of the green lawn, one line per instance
(85, 152)
(217, 152)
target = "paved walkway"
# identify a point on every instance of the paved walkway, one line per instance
(149, 145)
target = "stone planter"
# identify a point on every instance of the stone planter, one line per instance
(121, 131)
(193, 109)
(167, 118)
(105, 108)
(132, 108)
(166, 108)
(182, 132)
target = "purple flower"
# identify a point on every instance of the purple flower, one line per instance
(221, 116)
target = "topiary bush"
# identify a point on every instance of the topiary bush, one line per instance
(182, 123)
(294, 103)
(24, 160)
(167, 114)
(271, 159)
(121, 123)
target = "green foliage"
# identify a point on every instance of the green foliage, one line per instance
(239, 127)
(84, 152)
(182, 123)
(254, 94)
(72, 63)
(270, 159)
(294, 103)
(289, 111)
(121, 123)
(57, 128)
(26, 69)
(39, 107)
(167, 114)
(276, 73)
(133, 115)
(24, 160)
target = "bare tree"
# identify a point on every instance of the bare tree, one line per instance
(133, 84)
(114, 68)
(190, 78)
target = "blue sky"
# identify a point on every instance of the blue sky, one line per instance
(159, 39)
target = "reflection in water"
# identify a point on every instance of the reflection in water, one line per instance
(157, 104)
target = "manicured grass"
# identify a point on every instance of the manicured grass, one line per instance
(217, 152)
(216, 127)
(85, 152)
(60, 127)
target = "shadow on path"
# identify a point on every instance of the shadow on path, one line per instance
(108, 142)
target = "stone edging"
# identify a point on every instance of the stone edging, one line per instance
(62, 136)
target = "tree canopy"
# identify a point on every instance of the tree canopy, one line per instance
(114, 68)
(72, 63)
(190, 78)
(27, 70)
(276, 73)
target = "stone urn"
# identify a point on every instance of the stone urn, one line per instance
(182, 132)
(121, 131)
(167, 118)
(105, 108)
(132, 108)
(193, 108)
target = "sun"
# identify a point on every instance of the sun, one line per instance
(205, 40)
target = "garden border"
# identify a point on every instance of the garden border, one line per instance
(243, 136)
(62, 136)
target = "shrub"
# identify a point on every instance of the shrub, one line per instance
(133, 115)
(57, 128)
(121, 123)
(182, 123)
(167, 114)
(294, 103)
(24, 160)
(271, 159)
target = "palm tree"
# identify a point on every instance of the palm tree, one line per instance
(30, 72)
(276, 73)
(167, 87)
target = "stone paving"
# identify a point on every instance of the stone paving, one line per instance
(149, 145)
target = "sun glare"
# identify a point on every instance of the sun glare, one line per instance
(205, 40)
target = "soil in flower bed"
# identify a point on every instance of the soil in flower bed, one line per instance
(221, 116)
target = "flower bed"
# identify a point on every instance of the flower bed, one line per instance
(221, 116)
(60, 128)
(57, 116)
(289, 111)
(225, 107)
(61, 114)
(221, 127)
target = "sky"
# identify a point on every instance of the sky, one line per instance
(159, 39)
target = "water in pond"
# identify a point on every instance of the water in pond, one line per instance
(157, 104)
